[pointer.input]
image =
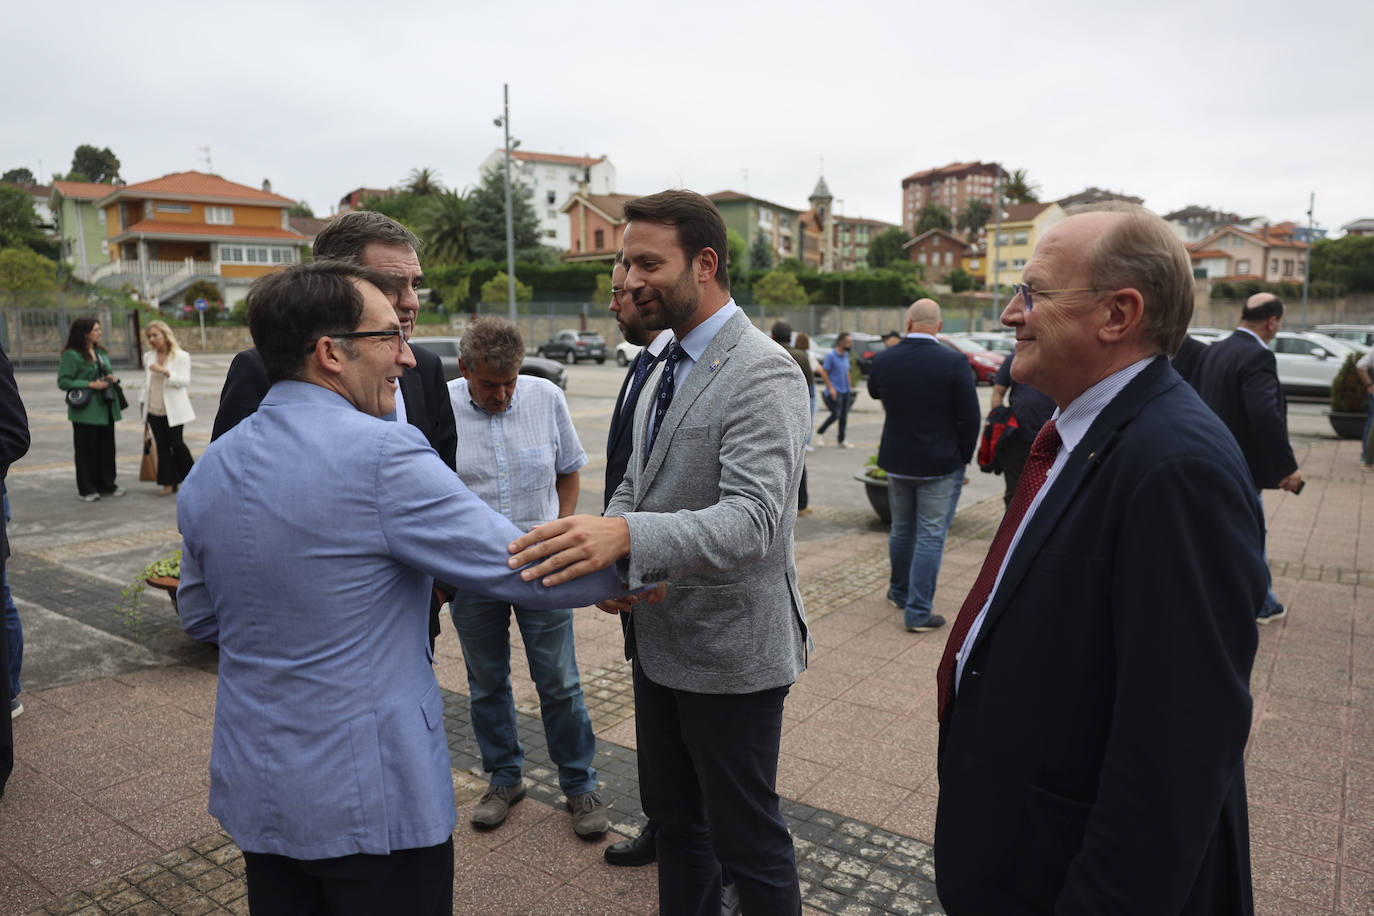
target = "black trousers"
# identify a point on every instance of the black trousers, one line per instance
(411, 881)
(173, 457)
(708, 769)
(95, 457)
(6, 727)
(1012, 452)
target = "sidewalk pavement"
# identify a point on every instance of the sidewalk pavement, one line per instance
(106, 809)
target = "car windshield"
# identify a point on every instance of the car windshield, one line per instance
(965, 345)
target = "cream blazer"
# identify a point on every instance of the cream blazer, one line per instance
(175, 394)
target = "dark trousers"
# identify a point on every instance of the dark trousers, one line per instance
(802, 499)
(411, 881)
(1012, 452)
(95, 457)
(839, 411)
(708, 767)
(6, 727)
(173, 457)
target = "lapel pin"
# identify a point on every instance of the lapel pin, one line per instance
(715, 364)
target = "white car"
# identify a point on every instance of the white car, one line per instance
(624, 352)
(1308, 361)
(1360, 335)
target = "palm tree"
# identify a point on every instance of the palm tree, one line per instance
(1019, 189)
(424, 182)
(444, 226)
(974, 216)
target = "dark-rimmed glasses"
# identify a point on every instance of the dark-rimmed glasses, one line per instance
(1024, 291)
(353, 335)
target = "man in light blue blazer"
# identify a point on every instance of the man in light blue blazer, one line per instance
(312, 533)
(708, 502)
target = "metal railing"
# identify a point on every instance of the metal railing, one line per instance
(33, 337)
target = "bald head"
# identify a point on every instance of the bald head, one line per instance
(923, 317)
(1263, 314)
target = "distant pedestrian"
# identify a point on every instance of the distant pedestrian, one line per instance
(803, 343)
(85, 369)
(166, 404)
(782, 333)
(14, 444)
(1031, 408)
(839, 396)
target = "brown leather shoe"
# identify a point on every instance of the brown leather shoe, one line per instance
(493, 807)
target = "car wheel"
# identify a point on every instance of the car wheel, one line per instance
(570, 357)
(600, 360)
(620, 359)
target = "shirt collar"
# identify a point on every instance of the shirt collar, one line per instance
(1254, 335)
(1073, 421)
(660, 343)
(514, 399)
(917, 335)
(699, 338)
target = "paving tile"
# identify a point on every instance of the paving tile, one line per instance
(88, 858)
(1312, 836)
(1293, 793)
(1357, 893)
(817, 744)
(572, 901)
(1359, 793)
(18, 892)
(796, 775)
(852, 719)
(866, 799)
(1288, 755)
(148, 792)
(633, 889)
(35, 831)
(546, 846)
(497, 885)
(1287, 874)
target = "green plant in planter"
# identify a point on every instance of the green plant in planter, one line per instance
(874, 471)
(1348, 394)
(130, 606)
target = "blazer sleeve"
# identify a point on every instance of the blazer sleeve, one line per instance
(440, 408)
(245, 386)
(1264, 407)
(73, 371)
(180, 376)
(1183, 623)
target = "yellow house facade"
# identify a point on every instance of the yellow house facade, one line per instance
(1010, 247)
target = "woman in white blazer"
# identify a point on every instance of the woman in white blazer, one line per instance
(166, 404)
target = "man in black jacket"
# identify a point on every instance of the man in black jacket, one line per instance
(1238, 378)
(929, 435)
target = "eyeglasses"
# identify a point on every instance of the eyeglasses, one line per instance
(347, 335)
(1024, 291)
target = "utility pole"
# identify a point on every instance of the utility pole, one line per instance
(996, 244)
(510, 219)
(1307, 261)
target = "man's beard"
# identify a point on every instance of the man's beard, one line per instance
(676, 305)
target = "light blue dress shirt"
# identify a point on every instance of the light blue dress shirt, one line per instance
(311, 533)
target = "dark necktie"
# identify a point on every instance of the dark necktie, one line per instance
(664, 398)
(1033, 475)
(644, 361)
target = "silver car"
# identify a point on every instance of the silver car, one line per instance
(1308, 361)
(446, 348)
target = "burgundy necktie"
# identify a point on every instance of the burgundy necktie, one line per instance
(1037, 466)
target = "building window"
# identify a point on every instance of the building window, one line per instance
(1288, 267)
(601, 239)
(949, 259)
(100, 216)
(766, 217)
(973, 264)
(551, 213)
(551, 233)
(147, 209)
(921, 258)
(1237, 241)
(550, 196)
(1018, 263)
(1274, 265)
(1242, 267)
(550, 173)
(173, 208)
(1003, 238)
(283, 256)
(1001, 265)
(219, 216)
(1020, 238)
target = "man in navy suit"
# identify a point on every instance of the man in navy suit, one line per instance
(1238, 378)
(1094, 696)
(929, 435)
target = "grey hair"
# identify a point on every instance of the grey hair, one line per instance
(493, 341)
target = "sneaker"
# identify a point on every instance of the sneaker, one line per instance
(934, 623)
(846, 445)
(1278, 613)
(493, 807)
(588, 815)
(118, 491)
(820, 441)
(88, 497)
(900, 605)
(16, 708)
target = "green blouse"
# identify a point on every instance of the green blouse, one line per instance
(76, 371)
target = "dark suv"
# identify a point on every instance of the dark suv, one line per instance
(571, 346)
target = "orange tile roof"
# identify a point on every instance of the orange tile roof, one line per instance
(1209, 253)
(1022, 213)
(153, 227)
(83, 190)
(199, 184)
(556, 158)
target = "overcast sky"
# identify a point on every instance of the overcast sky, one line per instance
(1243, 107)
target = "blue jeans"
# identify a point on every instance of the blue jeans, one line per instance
(14, 632)
(483, 626)
(839, 411)
(921, 514)
(1271, 601)
(1367, 453)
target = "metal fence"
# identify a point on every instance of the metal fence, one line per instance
(34, 336)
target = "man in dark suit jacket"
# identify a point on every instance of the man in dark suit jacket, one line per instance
(1090, 753)
(14, 444)
(371, 240)
(1186, 359)
(929, 435)
(1239, 379)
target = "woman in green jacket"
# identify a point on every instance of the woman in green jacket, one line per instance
(85, 364)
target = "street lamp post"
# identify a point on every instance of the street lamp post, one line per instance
(1307, 262)
(504, 121)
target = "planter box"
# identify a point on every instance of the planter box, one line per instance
(168, 585)
(1347, 425)
(876, 489)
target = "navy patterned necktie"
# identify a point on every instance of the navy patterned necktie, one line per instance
(644, 361)
(664, 398)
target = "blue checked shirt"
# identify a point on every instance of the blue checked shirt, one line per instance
(512, 459)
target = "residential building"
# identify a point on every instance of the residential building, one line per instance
(1272, 254)
(939, 252)
(951, 187)
(596, 225)
(1359, 227)
(851, 237)
(1095, 195)
(1194, 223)
(354, 199)
(308, 227)
(752, 216)
(548, 180)
(80, 224)
(40, 194)
(815, 241)
(167, 233)
(975, 263)
(1010, 247)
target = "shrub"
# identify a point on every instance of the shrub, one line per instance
(1348, 394)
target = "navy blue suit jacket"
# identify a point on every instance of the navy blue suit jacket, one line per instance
(1091, 759)
(1238, 378)
(933, 415)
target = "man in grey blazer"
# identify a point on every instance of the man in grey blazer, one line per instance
(707, 503)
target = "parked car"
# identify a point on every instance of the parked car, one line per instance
(446, 348)
(1207, 335)
(997, 342)
(624, 352)
(981, 360)
(571, 346)
(1361, 335)
(861, 351)
(1308, 361)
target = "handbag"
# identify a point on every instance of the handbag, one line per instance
(78, 397)
(114, 392)
(147, 471)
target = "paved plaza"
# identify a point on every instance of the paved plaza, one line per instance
(106, 809)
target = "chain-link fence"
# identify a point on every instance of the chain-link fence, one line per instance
(33, 335)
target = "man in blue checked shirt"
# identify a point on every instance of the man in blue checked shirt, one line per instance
(518, 452)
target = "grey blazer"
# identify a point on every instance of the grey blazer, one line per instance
(712, 513)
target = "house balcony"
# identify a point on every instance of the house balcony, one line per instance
(163, 278)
